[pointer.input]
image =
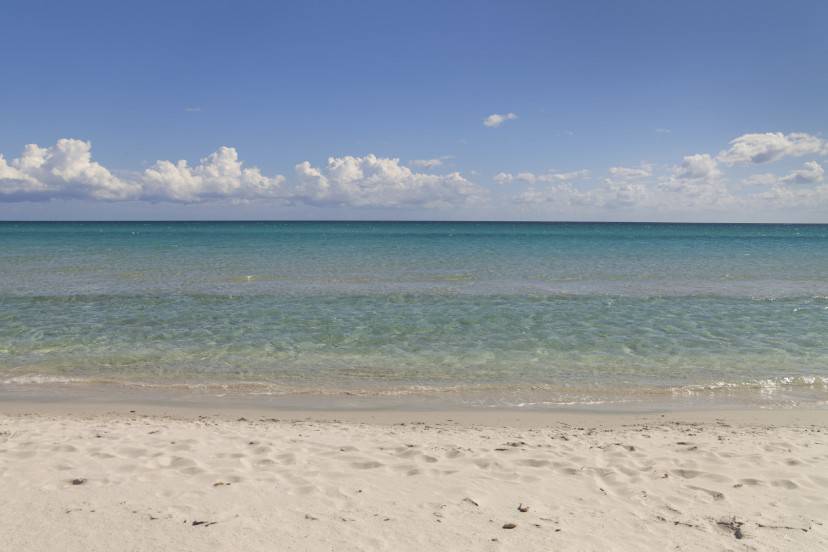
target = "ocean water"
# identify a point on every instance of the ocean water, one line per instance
(485, 314)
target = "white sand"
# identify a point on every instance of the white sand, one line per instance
(590, 483)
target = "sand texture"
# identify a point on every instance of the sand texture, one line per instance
(123, 481)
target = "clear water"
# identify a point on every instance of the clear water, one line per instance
(494, 313)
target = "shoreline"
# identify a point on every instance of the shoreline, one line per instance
(382, 415)
(247, 396)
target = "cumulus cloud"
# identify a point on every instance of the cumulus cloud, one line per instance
(496, 119)
(698, 177)
(533, 178)
(700, 166)
(373, 181)
(217, 176)
(699, 183)
(65, 170)
(810, 173)
(771, 146)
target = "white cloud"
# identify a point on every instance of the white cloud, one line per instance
(622, 189)
(786, 196)
(426, 163)
(762, 180)
(563, 195)
(496, 119)
(15, 182)
(698, 184)
(217, 176)
(533, 178)
(810, 173)
(372, 181)
(801, 188)
(625, 187)
(631, 173)
(65, 170)
(699, 179)
(429, 163)
(612, 195)
(771, 146)
(700, 166)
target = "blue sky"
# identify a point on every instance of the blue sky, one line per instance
(614, 107)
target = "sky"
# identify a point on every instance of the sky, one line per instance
(512, 110)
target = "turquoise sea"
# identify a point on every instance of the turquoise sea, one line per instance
(485, 314)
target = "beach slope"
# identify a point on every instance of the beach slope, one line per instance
(414, 481)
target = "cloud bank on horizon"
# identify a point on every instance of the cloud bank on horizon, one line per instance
(700, 182)
(66, 170)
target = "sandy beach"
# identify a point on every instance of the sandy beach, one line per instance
(116, 477)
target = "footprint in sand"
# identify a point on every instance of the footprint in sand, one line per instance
(715, 495)
(287, 458)
(102, 455)
(750, 482)
(131, 452)
(366, 465)
(408, 453)
(532, 462)
(784, 483)
(687, 474)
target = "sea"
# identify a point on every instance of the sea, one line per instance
(418, 314)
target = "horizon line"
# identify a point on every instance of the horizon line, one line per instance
(388, 221)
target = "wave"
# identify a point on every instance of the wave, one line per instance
(804, 390)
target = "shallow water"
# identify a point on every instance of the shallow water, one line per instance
(489, 313)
